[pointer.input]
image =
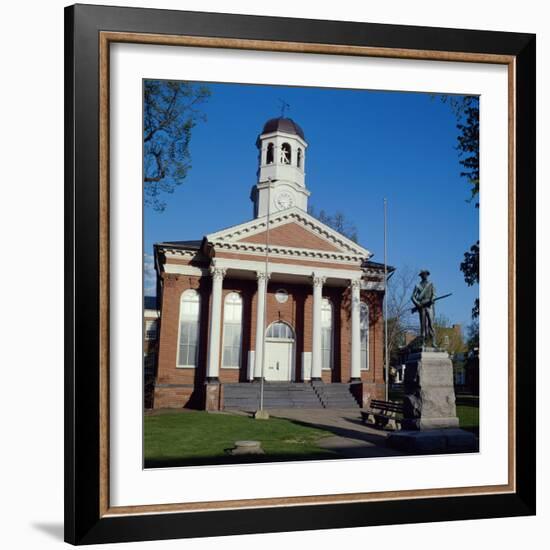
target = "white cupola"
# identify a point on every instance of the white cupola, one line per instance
(281, 174)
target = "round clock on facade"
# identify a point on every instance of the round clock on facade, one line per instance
(284, 200)
(281, 295)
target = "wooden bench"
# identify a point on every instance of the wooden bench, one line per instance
(383, 414)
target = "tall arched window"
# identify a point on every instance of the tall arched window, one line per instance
(286, 154)
(364, 324)
(269, 154)
(188, 345)
(326, 334)
(232, 330)
(299, 158)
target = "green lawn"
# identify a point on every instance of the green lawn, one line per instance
(467, 410)
(198, 437)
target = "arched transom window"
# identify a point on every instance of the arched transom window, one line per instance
(326, 334)
(364, 336)
(232, 330)
(188, 345)
(280, 331)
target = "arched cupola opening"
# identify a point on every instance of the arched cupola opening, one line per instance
(269, 156)
(286, 154)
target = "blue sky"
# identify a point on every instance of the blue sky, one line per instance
(363, 146)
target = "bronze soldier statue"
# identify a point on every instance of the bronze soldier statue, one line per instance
(423, 297)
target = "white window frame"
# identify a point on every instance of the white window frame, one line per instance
(194, 292)
(225, 323)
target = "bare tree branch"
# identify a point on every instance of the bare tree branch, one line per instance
(400, 318)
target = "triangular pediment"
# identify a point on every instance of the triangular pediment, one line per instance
(294, 235)
(292, 230)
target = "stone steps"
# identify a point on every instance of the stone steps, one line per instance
(276, 396)
(284, 395)
(335, 396)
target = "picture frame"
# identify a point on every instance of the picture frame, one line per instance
(89, 33)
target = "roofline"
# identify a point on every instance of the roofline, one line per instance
(390, 268)
(179, 246)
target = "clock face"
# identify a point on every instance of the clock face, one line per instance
(284, 200)
(281, 296)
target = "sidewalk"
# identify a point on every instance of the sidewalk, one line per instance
(351, 439)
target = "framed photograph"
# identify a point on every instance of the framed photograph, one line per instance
(300, 274)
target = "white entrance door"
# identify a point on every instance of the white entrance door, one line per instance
(278, 361)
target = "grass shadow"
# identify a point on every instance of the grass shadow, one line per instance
(240, 459)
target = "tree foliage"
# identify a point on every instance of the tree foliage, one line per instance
(467, 113)
(470, 268)
(336, 221)
(472, 337)
(170, 112)
(466, 110)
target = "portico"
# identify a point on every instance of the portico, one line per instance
(313, 284)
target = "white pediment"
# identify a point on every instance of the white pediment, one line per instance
(304, 236)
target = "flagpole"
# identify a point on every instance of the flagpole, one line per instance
(386, 297)
(265, 292)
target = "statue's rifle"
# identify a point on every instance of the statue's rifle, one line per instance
(415, 309)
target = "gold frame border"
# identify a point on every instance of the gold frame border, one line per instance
(105, 39)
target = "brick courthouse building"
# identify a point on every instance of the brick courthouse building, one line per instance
(319, 301)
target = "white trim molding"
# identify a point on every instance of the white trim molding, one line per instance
(286, 269)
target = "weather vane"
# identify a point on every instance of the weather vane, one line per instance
(284, 107)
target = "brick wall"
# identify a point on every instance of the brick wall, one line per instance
(180, 387)
(294, 235)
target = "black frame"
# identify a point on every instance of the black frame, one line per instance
(83, 524)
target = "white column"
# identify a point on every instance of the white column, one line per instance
(213, 364)
(260, 323)
(316, 366)
(355, 330)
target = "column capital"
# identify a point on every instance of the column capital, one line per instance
(218, 273)
(263, 276)
(318, 280)
(355, 284)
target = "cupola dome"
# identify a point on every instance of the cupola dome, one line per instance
(285, 125)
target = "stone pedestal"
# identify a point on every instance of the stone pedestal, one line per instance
(429, 400)
(430, 424)
(213, 396)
